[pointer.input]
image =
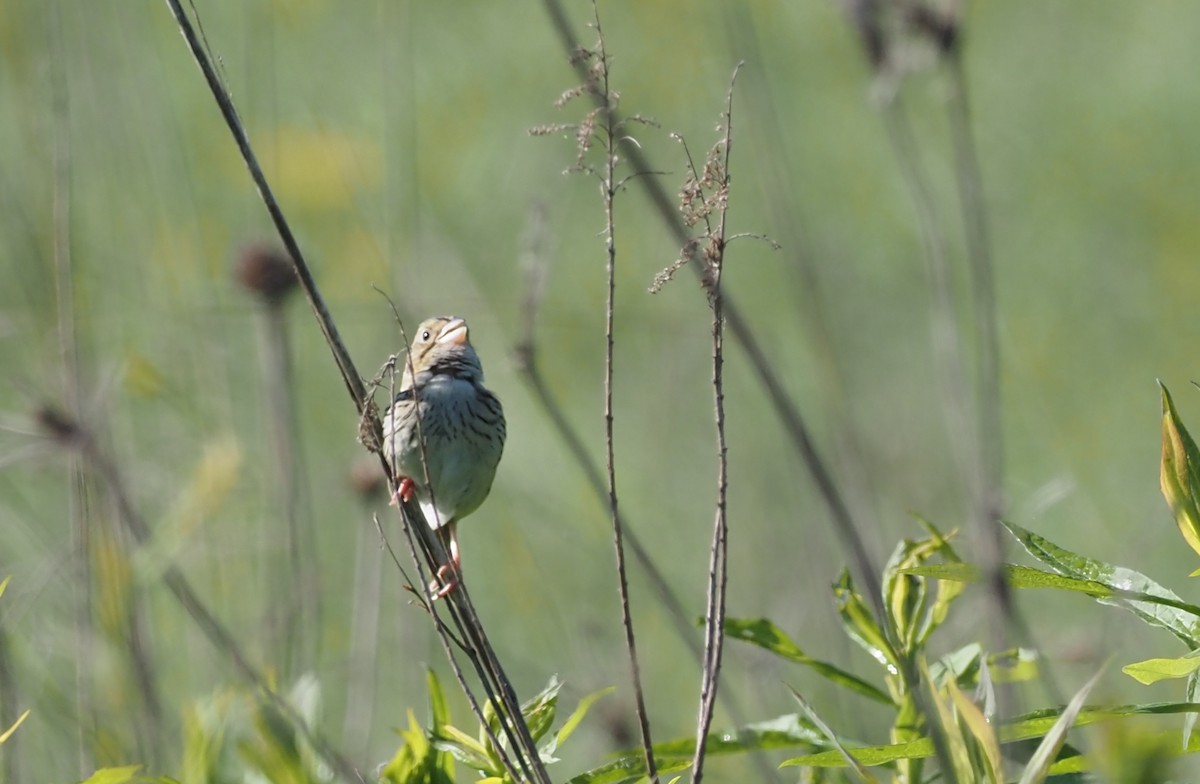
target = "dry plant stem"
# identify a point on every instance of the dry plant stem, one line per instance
(350, 376)
(298, 592)
(844, 525)
(72, 435)
(990, 502)
(609, 189)
(714, 617)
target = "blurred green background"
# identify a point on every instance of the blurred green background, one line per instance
(395, 135)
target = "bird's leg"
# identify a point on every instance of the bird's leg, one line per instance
(405, 490)
(446, 579)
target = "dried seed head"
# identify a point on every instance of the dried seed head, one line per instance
(266, 271)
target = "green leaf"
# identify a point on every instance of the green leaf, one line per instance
(1039, 764)
(465, 749)
(627, 770)
(1180, 472)
(8, 732)
(415, 761)
(1016, 576)
(981, 729)
(575, 718)
(861, 625)
(114, 775)
(439, 714)
(1030, 725)
(1192, 693)
(784, 732)
(765, 634)
(911, 611)
(1155, 670)
(4, 584)
(832, 737)
(1154, 604)
(539, 710)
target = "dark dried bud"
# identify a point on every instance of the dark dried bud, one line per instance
(266, 272)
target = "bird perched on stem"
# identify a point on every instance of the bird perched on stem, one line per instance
(444, 434)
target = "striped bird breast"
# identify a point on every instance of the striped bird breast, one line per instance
(463, 427)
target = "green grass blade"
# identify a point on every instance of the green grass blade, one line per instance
(832, 737)
(766, 635)
(1039, 765)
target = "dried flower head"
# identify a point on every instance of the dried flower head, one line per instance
(267, 272)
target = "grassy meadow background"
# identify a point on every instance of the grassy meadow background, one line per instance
(395, 135)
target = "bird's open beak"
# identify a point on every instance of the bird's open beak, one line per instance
(454, 332)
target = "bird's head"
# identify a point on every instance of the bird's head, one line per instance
(442, 346)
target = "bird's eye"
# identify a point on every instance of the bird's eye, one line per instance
(425, 335)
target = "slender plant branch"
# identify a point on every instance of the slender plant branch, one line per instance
(598, 85)
(714, 617)
(990, 501)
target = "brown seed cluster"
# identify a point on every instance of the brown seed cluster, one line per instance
(267, 272)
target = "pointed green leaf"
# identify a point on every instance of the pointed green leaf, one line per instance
(439, 714)
(539, 710)
(1192, 693)
(465, 749)
(439, 710)
(1180, 473)
(1154, 604)
(861, 625)
(1155, 670)
(1030, 725)
(763, 633)
(981, 729)
(833, 739)
(628, 770)
(4, 584)
(784, 732)
(8, 732)
(1036, 770)
(576, 717)
(114, 775)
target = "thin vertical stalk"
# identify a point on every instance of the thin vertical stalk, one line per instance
(609, 189)
(298, 597)
(990, 499)
(714, 617)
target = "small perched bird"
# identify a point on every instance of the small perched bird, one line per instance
(462, 425)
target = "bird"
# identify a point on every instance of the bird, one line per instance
(443, 435)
